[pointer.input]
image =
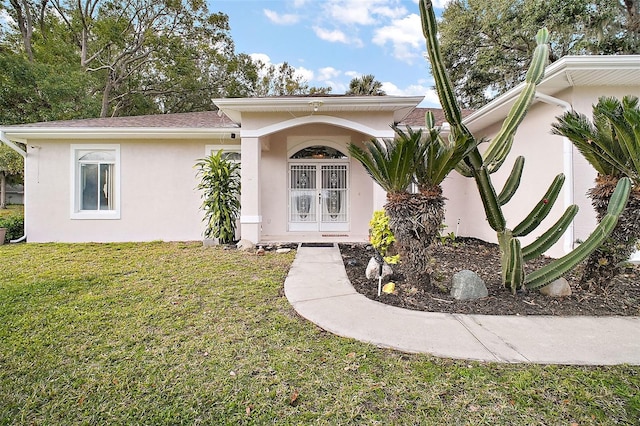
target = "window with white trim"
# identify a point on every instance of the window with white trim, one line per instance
(95, 182)
(229, 152)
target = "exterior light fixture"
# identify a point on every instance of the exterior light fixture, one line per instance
(315, 105)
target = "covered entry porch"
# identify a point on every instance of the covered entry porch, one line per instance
(298, 180)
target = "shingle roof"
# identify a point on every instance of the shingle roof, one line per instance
(195, 120)
(416, 117)
(187, 120)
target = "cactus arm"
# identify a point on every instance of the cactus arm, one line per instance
(442, 81)
(512, 183)
(490, 200)
(549, 238)
(515, 273)
(541, 210)
(501, 145)
(558, 267)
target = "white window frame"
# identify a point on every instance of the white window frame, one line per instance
(76, 211)
(209, 149)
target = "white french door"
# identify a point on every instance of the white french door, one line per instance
(318, 196)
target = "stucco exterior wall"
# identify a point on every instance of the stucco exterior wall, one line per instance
(158, 196)
(544, 158)
(543, 161)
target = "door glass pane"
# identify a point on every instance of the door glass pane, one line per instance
(302, 201)
(334, 193)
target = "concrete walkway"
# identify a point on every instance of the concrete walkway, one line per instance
(319, 290)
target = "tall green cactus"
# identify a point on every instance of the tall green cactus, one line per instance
(481, 166)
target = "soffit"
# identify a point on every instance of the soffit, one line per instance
(400, 106)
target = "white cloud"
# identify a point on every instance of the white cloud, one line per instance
(438, 4)
(336, 36)
(281, 19)
(360, 12)
(405, 36)
(306, 74)
(353, 74)
(327, 73)
(430, 95)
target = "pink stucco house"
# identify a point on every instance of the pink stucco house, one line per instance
(133, 178)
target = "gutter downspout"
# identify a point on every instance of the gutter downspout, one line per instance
(567, 158)
(17, 149)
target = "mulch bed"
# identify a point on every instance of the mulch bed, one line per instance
(621, 297)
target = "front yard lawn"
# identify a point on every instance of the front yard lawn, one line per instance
(173, 333)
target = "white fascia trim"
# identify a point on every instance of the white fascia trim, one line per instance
(12, 145)
(118, 133)
(250, 219)
(553, 71)
(324, 119)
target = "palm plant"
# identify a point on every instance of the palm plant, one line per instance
(220, 183)
(414, 218)
(367, 85)
(611, 144)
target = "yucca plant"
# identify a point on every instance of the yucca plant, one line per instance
(414, 217)
(611, 144)
(220, 185)
(481, 166)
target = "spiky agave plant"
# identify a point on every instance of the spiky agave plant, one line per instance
(481, 166)
(611, 144)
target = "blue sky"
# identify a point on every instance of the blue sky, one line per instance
(329, 42)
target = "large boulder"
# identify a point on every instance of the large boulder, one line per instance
(373, 270)
(245, 245)
(558, 288)
(468, 285)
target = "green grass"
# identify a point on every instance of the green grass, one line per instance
(12, 210)
(173, 333)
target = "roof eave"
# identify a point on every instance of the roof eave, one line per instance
(54, 133)
(557, 78)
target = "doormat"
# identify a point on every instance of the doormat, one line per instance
(327, 245)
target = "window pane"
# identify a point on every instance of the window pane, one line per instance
(319, 152)
(89, 186)
(106, 186)
(231, 156)
(101, 156)
(97, 187)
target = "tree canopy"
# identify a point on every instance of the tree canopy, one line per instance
(63, 59)
(486, 44)
(366, 85)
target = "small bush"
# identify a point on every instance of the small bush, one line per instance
(381, 237)
(14, 225)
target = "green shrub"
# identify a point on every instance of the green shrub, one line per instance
(381, 237)
(14, 225)
(220, 185)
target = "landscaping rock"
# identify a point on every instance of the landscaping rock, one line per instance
(373, 269)
(468, 285)
(245, 245)
(558, 288)
(283, 250)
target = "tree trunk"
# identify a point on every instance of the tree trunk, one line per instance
(415, 220)
(3, 190)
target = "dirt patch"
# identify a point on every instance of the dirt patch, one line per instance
(622, 297)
